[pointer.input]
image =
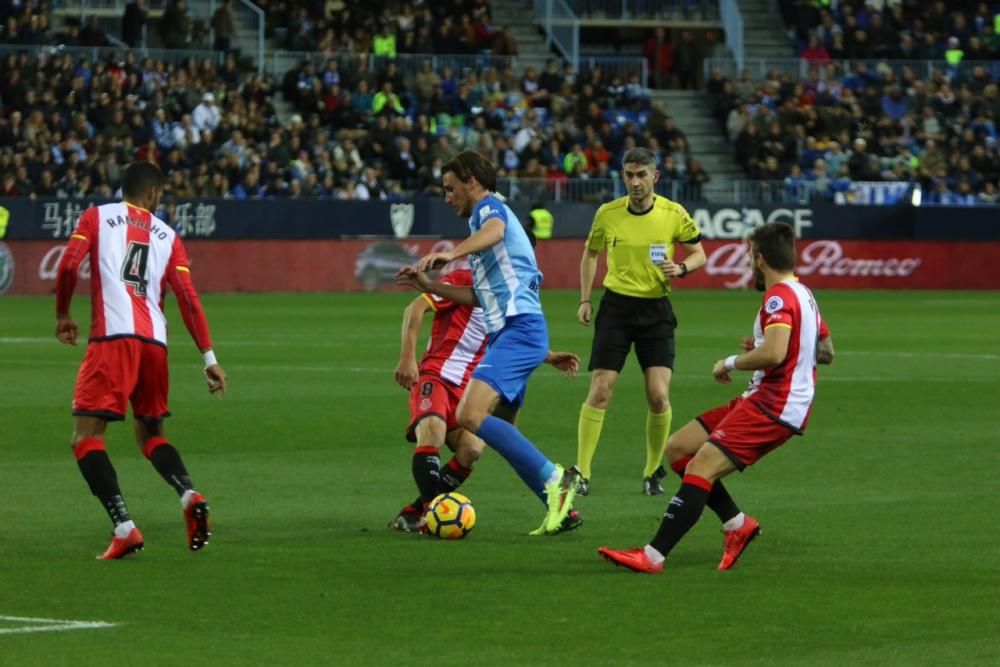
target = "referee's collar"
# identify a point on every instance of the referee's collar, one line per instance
(651, 207)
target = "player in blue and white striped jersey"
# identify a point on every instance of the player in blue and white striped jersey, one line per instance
(506, 276)
(506, 286)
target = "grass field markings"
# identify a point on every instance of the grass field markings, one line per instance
(270, 341)
(919, 355)
(686, 377)
(331, 344)
(33, 624)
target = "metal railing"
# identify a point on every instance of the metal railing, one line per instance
(596, 190)
(110, 53)
(561, 26)
(409, 64)
(106, 5)
(671, 10)
(732, 25)
(802, 69)
(620, 66)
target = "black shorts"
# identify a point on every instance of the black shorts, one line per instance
(626, 320)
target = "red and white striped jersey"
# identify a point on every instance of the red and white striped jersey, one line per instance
(458, 336)
(785, 392)
(133, 254)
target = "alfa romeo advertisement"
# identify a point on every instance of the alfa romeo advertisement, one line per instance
(29, 267)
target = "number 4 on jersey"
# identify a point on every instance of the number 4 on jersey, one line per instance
(134, 266)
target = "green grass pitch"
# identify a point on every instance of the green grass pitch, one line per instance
(880, 525)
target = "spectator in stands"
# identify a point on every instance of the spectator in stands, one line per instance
(175, 25)
(386, 101)
(575, 163)
(91, 33)
(816, 53)
(224, 26)
(687, 61)
(820, 179)
(133, 21)
(249, 187)
(206, 116)
(505, 44)
(659, 54)
(384, 44)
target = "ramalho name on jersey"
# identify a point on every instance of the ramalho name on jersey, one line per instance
(458, 335)
(505, 276)
(133, 255)
(785, 392)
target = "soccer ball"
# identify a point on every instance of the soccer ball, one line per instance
(451, 516)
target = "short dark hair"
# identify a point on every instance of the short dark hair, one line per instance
(139, 177)
(642, 156)
(469, 164)
(775, 242)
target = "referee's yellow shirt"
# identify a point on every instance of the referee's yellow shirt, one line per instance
(636, 244)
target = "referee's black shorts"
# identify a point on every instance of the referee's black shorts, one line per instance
(626, 320)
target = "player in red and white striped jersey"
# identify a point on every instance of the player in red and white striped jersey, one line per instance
(133, 256)
(790, 339)
(457, 343)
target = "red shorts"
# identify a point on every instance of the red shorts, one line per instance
(117, 372)
(743, 432)
(433, 397)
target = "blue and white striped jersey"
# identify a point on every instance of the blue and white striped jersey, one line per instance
(505, 276)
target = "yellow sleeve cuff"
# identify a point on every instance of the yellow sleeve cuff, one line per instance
(184, 269)
(428, 299)
(80, 236)
(778, 324)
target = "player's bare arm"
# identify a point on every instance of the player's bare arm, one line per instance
(588, 269)
(824, 351)
(407, 371)
(488, 236)
(409, 276)
(770, 353)
(694, 259)
(567, 362)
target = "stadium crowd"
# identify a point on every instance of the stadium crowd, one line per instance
(444, 26)
(865, 124)
(873, 120)
(952, 30)
(215, 132)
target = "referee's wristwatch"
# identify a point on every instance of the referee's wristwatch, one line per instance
(684, 269)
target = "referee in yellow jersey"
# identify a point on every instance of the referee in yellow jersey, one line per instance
(639, 232)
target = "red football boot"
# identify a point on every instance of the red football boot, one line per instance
(737, 541)
(196, 515)
(123, 546)
(634, 559)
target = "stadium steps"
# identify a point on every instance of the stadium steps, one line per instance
(691, 112)
(764, 34)
(530, 40)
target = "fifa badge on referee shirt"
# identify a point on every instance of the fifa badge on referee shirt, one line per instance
(657, 253)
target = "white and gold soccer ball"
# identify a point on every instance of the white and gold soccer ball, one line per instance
(450, 516)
